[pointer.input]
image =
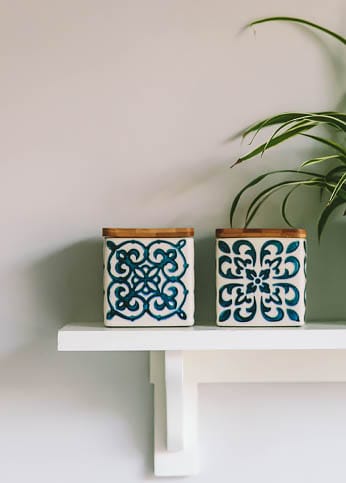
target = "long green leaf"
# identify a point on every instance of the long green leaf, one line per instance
(321, 159)
(331, 119)
(260, 198)
(332, 178)
(338, 187)
(327, 211)
(257, 180)
(248, 220)
(291, 125)
(321, 119)
(304, 122)
(280, 118)
(279, 139)
(301, 21)
(284, 206)
(328, 142)
(334, 174)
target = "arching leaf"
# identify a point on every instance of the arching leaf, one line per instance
(328, 210)
(265, 194)
(321, 159)
(301, 21)
(277, 140)
(257, 180)
(284, 206)
(278, 119)
(338, 187)
(328, 142)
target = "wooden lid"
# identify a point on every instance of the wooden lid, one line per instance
(260, 233)
(148, 232)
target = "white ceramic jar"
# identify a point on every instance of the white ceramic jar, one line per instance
(148, 277)
(260, 277)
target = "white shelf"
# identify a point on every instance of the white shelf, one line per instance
(183, 358)
(96, 337)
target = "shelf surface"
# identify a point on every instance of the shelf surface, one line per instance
(96, 337)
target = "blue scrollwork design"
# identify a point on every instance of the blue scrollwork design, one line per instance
(232, 268)
(265, 284)
(146, 279)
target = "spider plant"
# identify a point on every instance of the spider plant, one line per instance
(289, 125)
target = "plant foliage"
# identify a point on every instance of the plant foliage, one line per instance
(289, 125)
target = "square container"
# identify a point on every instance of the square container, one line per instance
(260, 277)
(148, 277)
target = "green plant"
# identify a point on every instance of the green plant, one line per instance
(288, 125)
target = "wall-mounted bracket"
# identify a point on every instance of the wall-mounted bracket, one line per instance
(175, 415)
(183, 358)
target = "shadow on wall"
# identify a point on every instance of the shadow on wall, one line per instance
(326, 269)
(68, 284)
(67, 287)
(205, 283)
(326, 272)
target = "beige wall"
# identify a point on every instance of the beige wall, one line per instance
(115, 113)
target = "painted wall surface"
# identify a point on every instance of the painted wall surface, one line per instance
(115, 113)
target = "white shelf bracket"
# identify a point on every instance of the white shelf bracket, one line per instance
(183, 358)
(175, 415)
(174, 377)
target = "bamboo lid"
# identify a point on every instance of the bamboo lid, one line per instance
(260, 233)
(148, 232)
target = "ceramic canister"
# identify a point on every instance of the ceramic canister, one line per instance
(148, 277)
(260, 277)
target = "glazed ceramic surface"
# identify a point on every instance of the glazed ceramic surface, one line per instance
(148, 282)
(260, 281)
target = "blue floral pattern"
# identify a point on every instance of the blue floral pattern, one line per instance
(260, 281)
(146, 279)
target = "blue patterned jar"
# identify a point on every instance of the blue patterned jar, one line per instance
(148, 277)
(260, 277)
